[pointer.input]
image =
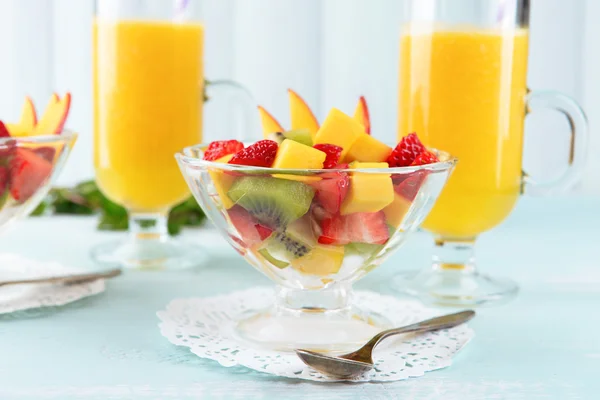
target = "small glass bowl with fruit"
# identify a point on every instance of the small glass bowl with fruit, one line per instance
(315, 211)
(32, 154)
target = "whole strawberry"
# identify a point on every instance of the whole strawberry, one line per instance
(221, 148)
(406, 151)
(333, 154)
(260, 154)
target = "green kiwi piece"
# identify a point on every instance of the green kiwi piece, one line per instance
(276, 137)
(273, 202)
(299, 135)
(278, 263)
(296, 241)
(363, 248)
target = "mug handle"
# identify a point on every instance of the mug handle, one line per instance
(579, 140)
(238, 113)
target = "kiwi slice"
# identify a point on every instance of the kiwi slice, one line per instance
(299, 135)
(276, 137)
(273, 202)
(364, 248)
(296, 241)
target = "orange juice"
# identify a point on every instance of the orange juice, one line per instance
(464, 92)
(148, 79)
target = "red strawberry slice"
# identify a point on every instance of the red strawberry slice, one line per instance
(409, 186)
(28, 172)
(425, 158)
(355, 228)
(221, 148)
(260, 154)
(332, 190)
(406, 151)
(3, 130)
(7, 149)
(47, 153)
(333, 154)
(4, 176)
(251, 232)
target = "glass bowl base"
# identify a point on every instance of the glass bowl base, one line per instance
(331, 331)
(455, 287)
(164, 254)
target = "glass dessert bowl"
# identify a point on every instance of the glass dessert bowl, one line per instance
(313, 232)
(28, 166)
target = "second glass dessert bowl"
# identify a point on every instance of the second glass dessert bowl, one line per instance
(280, 221)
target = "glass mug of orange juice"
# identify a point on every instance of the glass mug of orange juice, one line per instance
(148, 105)
(463, 69)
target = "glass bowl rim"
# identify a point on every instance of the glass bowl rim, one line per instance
(65, 135)
(186, 156)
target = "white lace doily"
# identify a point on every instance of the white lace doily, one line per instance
(206, 325)
(24, 297)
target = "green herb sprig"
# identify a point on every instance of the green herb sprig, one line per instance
(86, 199)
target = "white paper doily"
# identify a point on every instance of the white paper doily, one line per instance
(205, 325)
(24, 297)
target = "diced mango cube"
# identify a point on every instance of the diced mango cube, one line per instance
(395, 212)
(368, 149)
(341, 130)
(368, 192)
(222, 182)
(294, 155)
(322, 260)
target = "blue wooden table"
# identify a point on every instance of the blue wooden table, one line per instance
(544, 345)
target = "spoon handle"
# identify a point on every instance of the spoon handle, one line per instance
(66, 279)
(433, 324)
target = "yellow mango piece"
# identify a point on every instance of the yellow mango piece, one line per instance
(395, 212)
(368, 149)
(341, 130)
(322, 260)
(368, 192)
(301, 114)
(269, 123)
(294, 155)
(17, 130)
(223, 182)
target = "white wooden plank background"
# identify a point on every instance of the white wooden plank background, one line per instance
(330, 51)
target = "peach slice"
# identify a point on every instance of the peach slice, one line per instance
(28, 115)
(302, 116)
(54, 117)
(269, 123)
(361, 114)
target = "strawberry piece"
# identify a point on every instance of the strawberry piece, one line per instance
(406, 151)
(47, 153)
(355, 228)
(263, 231)
(4, 176)
(221, 148)
(3, 130)
(260, 154)
(28, 172)
(425, 158)
(332, 190)
(409, 186)
(333, 154)
(7, 149)
(250, 231)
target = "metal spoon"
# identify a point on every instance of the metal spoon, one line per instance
(360, 361)
(66, 279)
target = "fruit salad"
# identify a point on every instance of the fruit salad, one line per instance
(318, 203)
(27, 155)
